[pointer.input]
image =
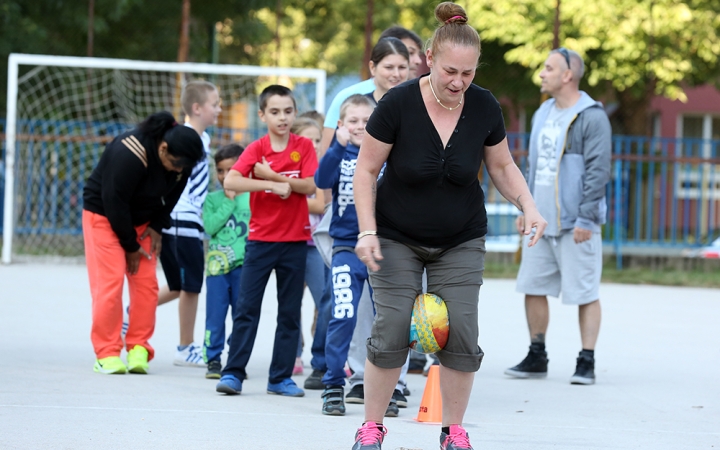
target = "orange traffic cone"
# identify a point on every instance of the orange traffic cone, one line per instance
(431, 405)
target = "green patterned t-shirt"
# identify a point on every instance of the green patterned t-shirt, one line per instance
(226, 221)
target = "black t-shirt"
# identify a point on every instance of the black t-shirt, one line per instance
(429, 195)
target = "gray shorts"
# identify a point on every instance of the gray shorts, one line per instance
(543, 265)
(454, 274)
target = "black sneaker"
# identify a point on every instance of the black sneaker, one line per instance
(399, 398)
(406, 391)
(356, 395)
(584, 371)
(533, 366)
(214, 369)
(392, 409)
(333, 404)
(314, 381)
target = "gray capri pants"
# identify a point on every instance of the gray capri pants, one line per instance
(454, 274)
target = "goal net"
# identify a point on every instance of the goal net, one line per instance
(62, 111)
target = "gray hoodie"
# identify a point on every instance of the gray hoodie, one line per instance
(583, 158)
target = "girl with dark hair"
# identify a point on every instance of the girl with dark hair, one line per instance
(389, 62)
(127, 199)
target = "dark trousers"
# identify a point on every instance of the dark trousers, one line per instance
(261, 258)
(321, 325)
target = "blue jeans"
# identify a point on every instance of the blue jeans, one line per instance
(222, 293)
(316, 275)
(288, 261)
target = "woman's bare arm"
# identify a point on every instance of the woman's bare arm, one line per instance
(373, 154)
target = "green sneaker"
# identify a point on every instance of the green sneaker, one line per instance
(138, 360)
(110, 365)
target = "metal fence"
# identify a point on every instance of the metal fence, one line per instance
(664, 194)
(663, 197)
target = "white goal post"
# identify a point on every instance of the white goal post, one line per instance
(62, 110)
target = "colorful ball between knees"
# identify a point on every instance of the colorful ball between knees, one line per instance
(429, 324)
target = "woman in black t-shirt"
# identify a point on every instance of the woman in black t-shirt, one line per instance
(428, 212)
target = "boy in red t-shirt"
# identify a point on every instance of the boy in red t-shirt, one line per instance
(278, 172)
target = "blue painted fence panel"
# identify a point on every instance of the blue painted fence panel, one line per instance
(664, 192)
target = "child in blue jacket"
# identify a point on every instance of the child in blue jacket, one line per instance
(349, 274)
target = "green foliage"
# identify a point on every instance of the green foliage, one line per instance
(133, 29)
(646, 46)
(636, 47)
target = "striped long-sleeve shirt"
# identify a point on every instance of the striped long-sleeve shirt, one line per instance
(187, 214)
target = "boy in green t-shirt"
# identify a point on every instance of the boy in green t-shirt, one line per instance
(226, 216)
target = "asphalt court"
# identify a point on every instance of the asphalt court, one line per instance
(658, 366)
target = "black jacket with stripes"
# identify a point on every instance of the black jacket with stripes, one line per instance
(131, 187)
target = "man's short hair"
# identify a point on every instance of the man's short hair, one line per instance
(275, 89)
(196, 91)
(399, 32)
(355, 100)
(577, 65)
(230, 151)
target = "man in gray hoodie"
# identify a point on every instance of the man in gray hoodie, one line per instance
(569, 167)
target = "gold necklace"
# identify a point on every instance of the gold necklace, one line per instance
(440, 103)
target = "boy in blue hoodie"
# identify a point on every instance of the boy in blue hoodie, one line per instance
(349, 274)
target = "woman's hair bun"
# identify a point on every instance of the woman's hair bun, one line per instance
(449, 12)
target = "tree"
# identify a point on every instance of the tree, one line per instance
(133, 29)
(636, 47)
(328, 34)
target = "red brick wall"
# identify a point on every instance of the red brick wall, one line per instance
(701, 100)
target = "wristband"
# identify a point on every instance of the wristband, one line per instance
(366, 233)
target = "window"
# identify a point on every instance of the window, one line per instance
(700, 138)
(692, 127)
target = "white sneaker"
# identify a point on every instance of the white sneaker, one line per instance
(125, 323)
(190, 356)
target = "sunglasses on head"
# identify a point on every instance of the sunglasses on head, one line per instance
(564, 52)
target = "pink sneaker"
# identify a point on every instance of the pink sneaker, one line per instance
(370, 436)
(458, 439)
(298, 369)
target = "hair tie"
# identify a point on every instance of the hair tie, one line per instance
(174, 124)
(453, 18)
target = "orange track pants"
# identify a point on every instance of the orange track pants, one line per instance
(107, 269)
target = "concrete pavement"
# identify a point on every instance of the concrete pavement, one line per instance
(658, 369)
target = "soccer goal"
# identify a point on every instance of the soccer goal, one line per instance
(61, 111)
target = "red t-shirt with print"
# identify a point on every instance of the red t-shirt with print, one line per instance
(272, 218)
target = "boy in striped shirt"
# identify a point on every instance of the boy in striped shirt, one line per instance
(182, 257)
